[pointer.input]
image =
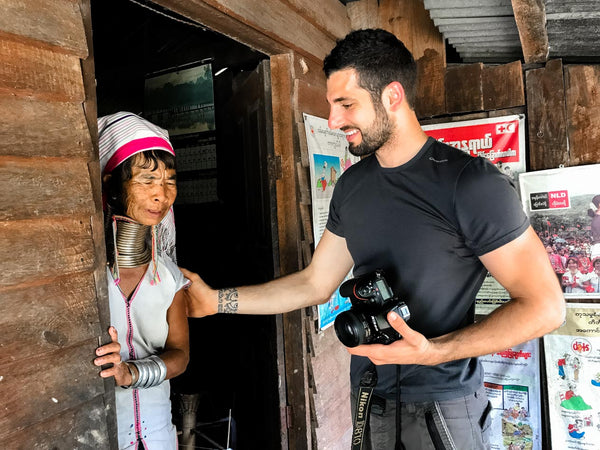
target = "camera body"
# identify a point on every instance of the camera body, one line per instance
(366, 321)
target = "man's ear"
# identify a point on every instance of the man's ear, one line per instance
(393, 95)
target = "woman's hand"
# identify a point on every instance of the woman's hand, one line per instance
(110, 354)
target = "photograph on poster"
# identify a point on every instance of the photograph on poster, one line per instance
(563, 206)
(181, 100)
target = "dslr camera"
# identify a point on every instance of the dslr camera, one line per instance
(365, 322)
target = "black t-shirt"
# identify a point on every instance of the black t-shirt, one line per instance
(425, 223)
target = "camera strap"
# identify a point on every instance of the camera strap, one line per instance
(362, 409)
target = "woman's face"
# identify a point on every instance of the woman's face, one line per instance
(572, 265)
(149, 193)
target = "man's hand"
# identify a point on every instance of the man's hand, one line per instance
(110, 354)
(199, 297)
(413, 348)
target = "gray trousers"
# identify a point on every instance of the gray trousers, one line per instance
(458, 424)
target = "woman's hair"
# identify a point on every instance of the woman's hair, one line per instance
(378, 58)
(596, 202)
(113, 188)
(572, 258)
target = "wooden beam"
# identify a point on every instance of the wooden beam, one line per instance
(503, 86)
(35, 389)
(64, 132)
(531, 22)
(363, 14)
(270, 26)
(464, 88)
(583, 113)
(32, 250)
(56, 313)
(27, 70)
(431, 90)
(45, 187)
(56, 23)
(329, 16)
(546, 116)
(85, 424)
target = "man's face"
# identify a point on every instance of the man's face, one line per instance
(366, 125)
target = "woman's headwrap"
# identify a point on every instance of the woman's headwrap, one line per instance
(124, 134)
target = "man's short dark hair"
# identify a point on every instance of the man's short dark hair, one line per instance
(378, 57)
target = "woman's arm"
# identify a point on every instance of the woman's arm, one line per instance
(177, 348)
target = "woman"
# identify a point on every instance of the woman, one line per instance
(573, 279)
(593, 278)
(149, 323)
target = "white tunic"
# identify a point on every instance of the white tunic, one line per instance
(145, 414)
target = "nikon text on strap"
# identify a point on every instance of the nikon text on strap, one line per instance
(363, 407)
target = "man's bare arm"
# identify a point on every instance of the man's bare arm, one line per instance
(311, 286)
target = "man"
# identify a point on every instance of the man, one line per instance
(435, 220)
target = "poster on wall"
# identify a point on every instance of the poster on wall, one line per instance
(181, 100)
(572, 356)
(502, 141)
(328, 159)
(563, 208)
(512, 383)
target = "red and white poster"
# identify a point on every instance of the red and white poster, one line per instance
(502, 141)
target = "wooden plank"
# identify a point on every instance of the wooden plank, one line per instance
(310, 99)
(58, 313)
(45, 187)
(26, 70)
(64, 131)
(85, 424)
(320, 14)
(582, 84)
(270, 26)
(431, 91)
(464, 88)
(410, 22)
(546, 116)
(290, 252)
(57, 23)
(531, 23)
(503, 86)
(308, 71)
(44, 248)
(363, 14)
(35, 389)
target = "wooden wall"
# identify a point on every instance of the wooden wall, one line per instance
(52, 275)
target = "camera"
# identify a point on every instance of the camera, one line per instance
(365, 322)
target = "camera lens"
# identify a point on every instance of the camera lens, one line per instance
(350, 330)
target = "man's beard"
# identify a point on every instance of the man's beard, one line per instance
(375, 136)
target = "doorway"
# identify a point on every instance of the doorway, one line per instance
(225, 212)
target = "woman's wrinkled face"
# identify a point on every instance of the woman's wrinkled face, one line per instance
(149, 193)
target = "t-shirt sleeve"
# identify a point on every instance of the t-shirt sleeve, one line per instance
(334, 223)
(180, 280)
(488, 208)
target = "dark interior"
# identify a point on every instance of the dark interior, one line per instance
(229, 239)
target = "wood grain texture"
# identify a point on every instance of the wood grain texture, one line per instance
(503, 86)
(582, 95)
(85, 424)
(45, 187)
(431, 90)
(546, 116)
(27, 70)
(531, 23)
(44, 317)
(33, 128)
(35, 389)
(44, 248)
(464, 89)
(57, 23)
